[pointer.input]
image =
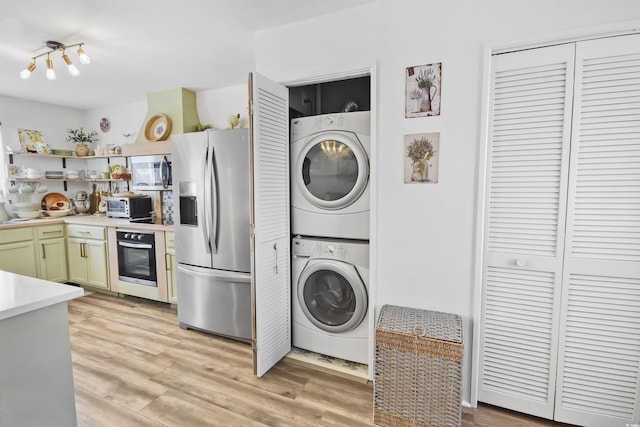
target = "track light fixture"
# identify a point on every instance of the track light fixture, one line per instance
(57, 46)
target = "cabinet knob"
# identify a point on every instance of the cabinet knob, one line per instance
(521, 263)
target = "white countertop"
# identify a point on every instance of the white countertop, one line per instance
(22, 294)
(101, 221)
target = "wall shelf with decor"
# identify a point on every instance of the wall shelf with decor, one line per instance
(64, 179)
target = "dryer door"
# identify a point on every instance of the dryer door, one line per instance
(332, 170)
(332, 295)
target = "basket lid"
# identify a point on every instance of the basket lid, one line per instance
(425, 323)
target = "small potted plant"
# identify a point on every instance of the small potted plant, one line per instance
(81, 138)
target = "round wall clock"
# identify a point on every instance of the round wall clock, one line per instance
(105, 125)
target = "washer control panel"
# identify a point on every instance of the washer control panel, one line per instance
(318, 249)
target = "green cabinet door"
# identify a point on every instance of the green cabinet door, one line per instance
(53, 260)
(97, 265)
(76, 262)
(19, 258)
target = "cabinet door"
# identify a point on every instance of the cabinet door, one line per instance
(76, 262)
(97, 263)
(18, 258)
(171, 278)
(53, 260)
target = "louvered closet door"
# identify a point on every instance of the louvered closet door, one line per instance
(526, 181)
(271, 237)
(599, 363)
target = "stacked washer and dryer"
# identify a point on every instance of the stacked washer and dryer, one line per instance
(330, 222)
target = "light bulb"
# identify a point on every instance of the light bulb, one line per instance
(84, 58)
(73, 70)
(26, 73)
(51, 74)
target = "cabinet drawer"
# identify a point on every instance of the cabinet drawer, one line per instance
(50, 231)
(170, 241)
(86, 231)
(16, 235)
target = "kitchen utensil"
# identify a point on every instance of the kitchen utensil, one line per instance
(25, 188)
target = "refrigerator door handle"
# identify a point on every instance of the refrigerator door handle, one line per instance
(202, 204)
(231, 276)
(211, 248)
(213, 205)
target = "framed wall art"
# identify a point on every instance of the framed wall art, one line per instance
(423, 85)
(421, 155)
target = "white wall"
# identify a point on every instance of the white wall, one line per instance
(425, 234)
(52, 120)
(214, 107)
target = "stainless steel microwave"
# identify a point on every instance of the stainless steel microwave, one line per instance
(151, 172)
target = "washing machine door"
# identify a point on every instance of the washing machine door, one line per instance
(332, 295)
(332, 170)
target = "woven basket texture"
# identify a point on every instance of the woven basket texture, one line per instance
(418, 370)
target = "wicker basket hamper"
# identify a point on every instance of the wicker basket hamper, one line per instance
(418, 369)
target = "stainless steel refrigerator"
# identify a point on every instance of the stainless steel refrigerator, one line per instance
(212, 229)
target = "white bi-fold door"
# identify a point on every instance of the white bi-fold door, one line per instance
(561, 277)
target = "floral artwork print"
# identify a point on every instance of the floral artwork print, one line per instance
(29, 139)
(421, 154)
(422, 96)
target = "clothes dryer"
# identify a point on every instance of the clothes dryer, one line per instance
(330, 175)
(330, 297)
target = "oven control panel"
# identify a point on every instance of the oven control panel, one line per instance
(135, 236)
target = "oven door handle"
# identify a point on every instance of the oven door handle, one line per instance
(136, 245)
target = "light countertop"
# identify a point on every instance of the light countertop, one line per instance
(101, 221)
(22, 294)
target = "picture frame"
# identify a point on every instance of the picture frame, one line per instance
(423, 90)
(421, 158)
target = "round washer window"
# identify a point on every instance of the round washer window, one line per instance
(329, 298)
(332, 295)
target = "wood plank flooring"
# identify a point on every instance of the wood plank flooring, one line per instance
(133, 366)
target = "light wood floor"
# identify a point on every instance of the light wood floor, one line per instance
(133, 366)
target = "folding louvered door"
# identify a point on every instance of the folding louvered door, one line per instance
(561, 280)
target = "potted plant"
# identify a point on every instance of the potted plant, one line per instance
(81, 138)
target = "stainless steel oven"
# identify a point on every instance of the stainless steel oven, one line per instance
(137, 257)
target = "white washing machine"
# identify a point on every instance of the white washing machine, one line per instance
(330, 175)
(330, 297)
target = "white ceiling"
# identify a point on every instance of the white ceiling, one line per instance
(138, 46)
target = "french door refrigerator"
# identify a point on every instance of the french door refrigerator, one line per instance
(212, 229)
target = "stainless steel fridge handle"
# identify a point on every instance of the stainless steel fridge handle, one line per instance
(202, 203)
(213, 206)
(221, 274)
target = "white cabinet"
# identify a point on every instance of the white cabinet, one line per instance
(17, 251)
(170, 260)
(560, 327)
(52, 255)
(87, 256)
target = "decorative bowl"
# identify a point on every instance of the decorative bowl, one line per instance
(26, 206)
(58, 213)
(55, 202)
(58, 152)
(28, 214)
